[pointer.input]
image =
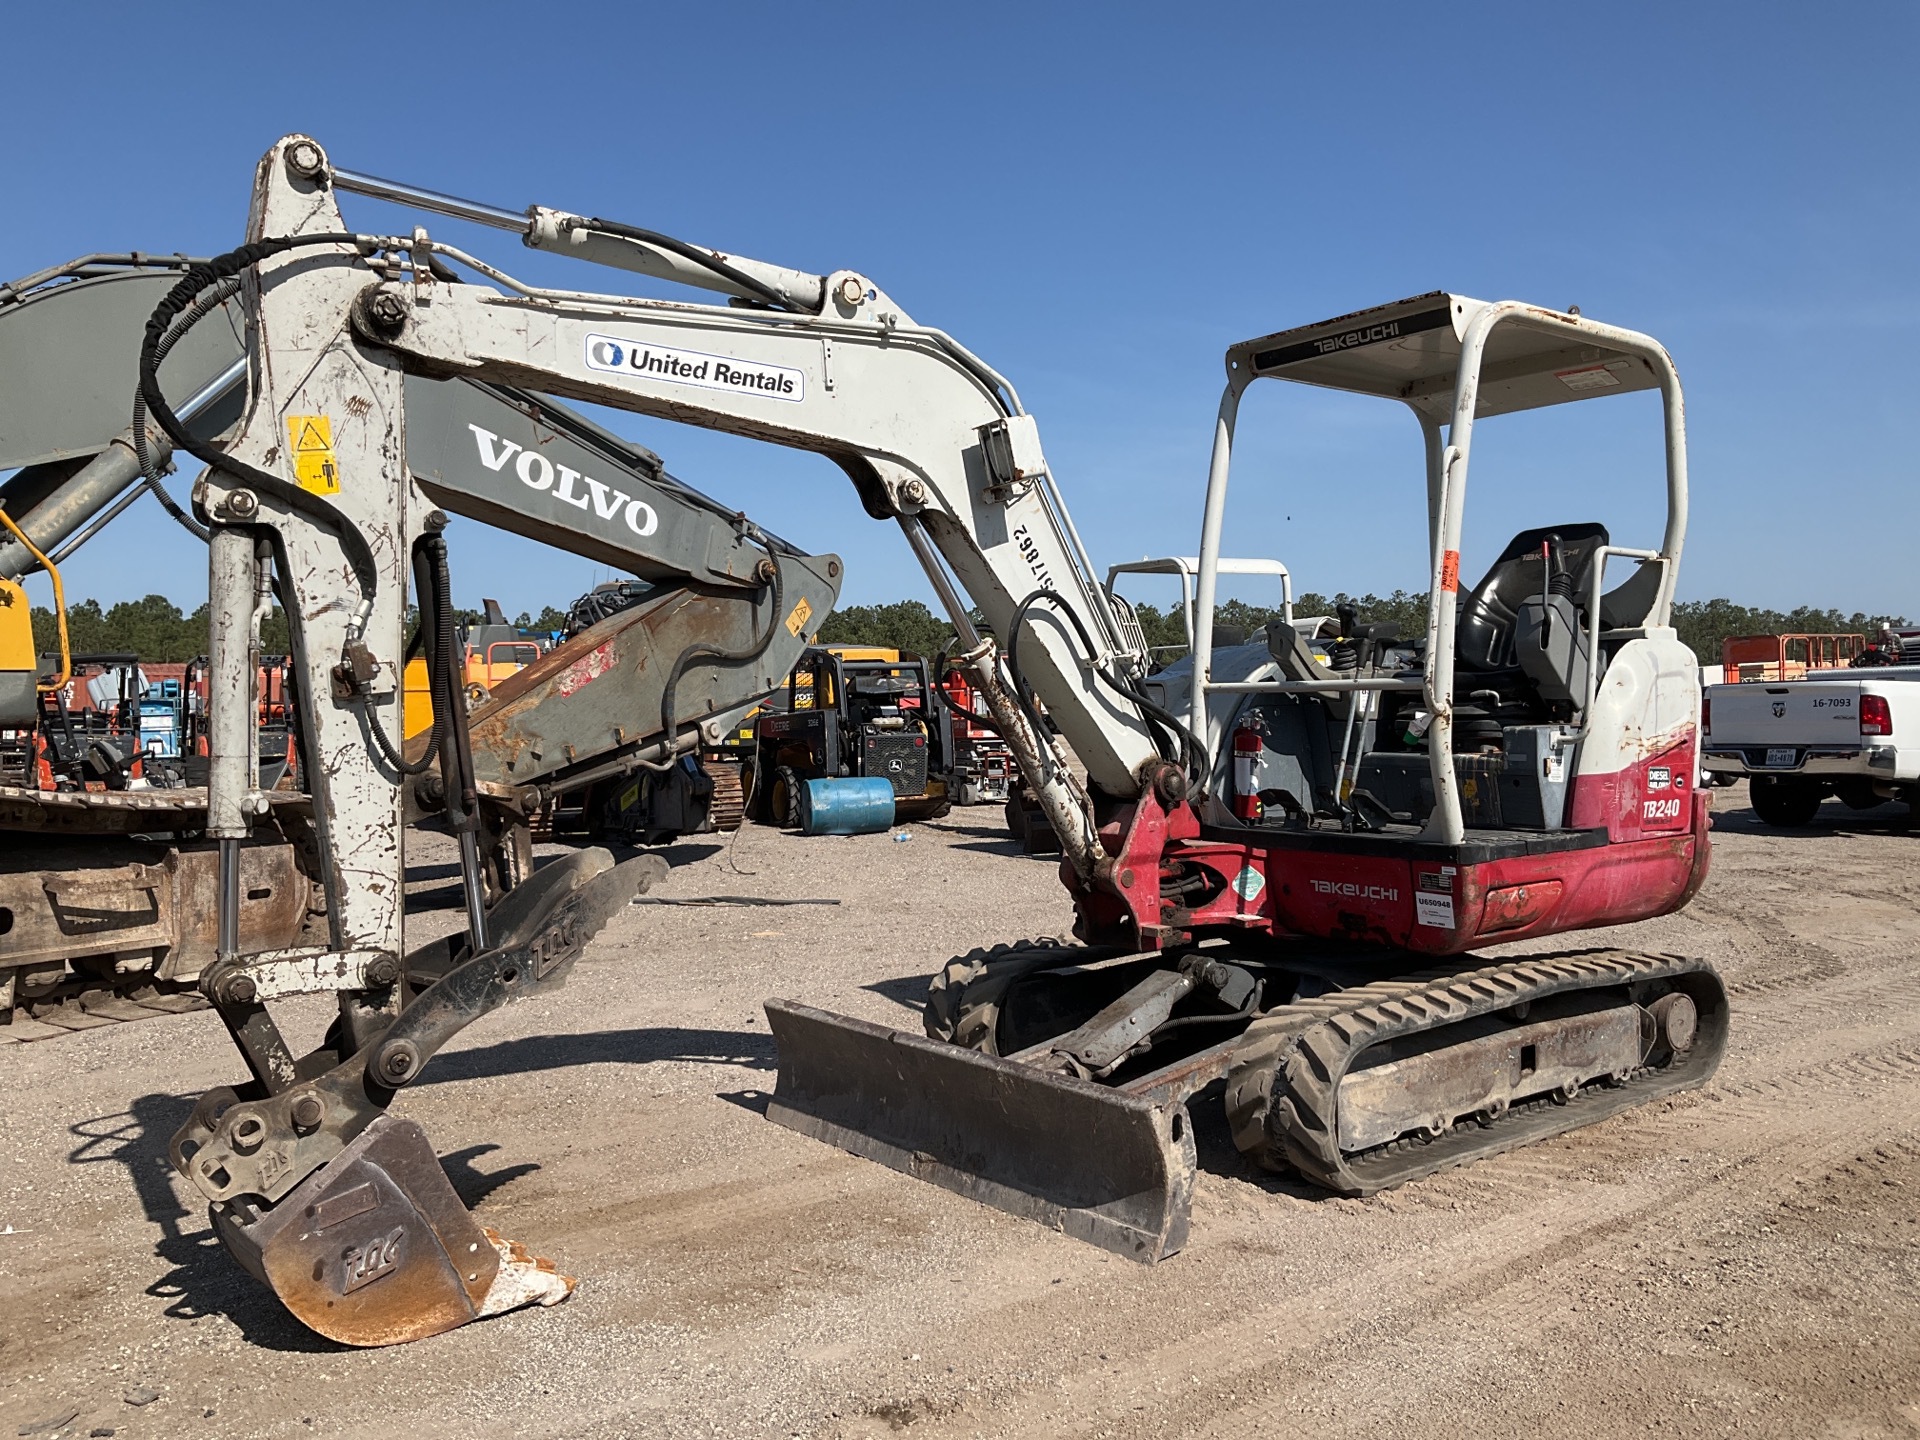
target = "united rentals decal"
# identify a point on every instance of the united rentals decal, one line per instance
(1352, 338)
(638, 360)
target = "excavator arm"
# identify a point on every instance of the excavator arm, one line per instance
(68, 346)
(319, 484)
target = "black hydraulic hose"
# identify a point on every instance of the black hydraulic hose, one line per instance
(706, 260)
(176, 302)
(985, 722)
(1196, 753)
(456, 754)
(422, 632)
(1245, 1012)
(149, 471)
(669, 719)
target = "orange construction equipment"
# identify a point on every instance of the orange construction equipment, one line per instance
(1787, 657)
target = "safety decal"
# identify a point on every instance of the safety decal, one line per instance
(310, 438)
(797, 621)
(1588, 377)
(1249, 883)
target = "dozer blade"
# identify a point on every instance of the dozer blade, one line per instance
(1108, 1168)
(376, 1248)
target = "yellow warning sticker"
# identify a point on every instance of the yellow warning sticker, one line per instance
(797, 621)
(310, 437)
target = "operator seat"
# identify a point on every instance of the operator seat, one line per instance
(1486, 619)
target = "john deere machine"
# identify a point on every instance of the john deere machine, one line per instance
(1532, 756)
(855, 712)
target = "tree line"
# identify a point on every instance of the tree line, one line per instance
(158, 631)
(1701, 624)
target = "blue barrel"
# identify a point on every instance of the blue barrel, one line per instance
(845, 807)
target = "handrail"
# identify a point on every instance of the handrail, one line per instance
(59, 605)
(1600, 558)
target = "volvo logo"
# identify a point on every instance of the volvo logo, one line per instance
(582, 492)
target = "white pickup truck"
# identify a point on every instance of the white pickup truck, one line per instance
(1854, 734)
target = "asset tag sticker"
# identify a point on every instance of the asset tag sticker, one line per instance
(797, 621)
(1432, 909)
(1249, 883)
(311, 439)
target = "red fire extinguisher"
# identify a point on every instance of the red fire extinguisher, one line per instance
(1249, 741)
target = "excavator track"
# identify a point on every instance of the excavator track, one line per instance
(728, 807)
(1286, 1089)
(89, 1007)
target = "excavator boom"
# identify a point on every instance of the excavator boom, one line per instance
(68, 346)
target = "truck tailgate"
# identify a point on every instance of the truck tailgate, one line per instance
(1775, 725)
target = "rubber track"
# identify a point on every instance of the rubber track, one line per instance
(74, 1012)
(1307, 1047)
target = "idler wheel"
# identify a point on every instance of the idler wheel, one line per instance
(1678, 1019)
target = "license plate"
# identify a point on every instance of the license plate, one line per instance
(1781, 758)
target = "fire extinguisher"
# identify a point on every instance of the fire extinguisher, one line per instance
(1249, 742)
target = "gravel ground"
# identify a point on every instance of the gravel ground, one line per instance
(1737, 1260)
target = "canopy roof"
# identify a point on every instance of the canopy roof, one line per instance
(1410, 351)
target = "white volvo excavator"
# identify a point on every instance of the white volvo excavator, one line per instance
(1278, 866)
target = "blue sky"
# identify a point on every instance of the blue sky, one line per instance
(1098, 200)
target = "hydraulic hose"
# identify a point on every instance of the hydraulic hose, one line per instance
(669, 717)
(450, 711)
(423, 638)
(705, 259)
(178, 301)
(1196, 753)
(150, 471)
(941, 663)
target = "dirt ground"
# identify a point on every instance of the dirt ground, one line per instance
(1737, 1260)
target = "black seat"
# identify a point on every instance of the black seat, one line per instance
(1484, 622)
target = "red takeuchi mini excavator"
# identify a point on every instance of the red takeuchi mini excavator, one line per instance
(1280, 864)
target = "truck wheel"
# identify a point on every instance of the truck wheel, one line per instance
(1858, 795)
(1778, 800)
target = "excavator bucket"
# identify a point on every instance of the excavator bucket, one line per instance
(376, 1248)
(1113, 1169)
